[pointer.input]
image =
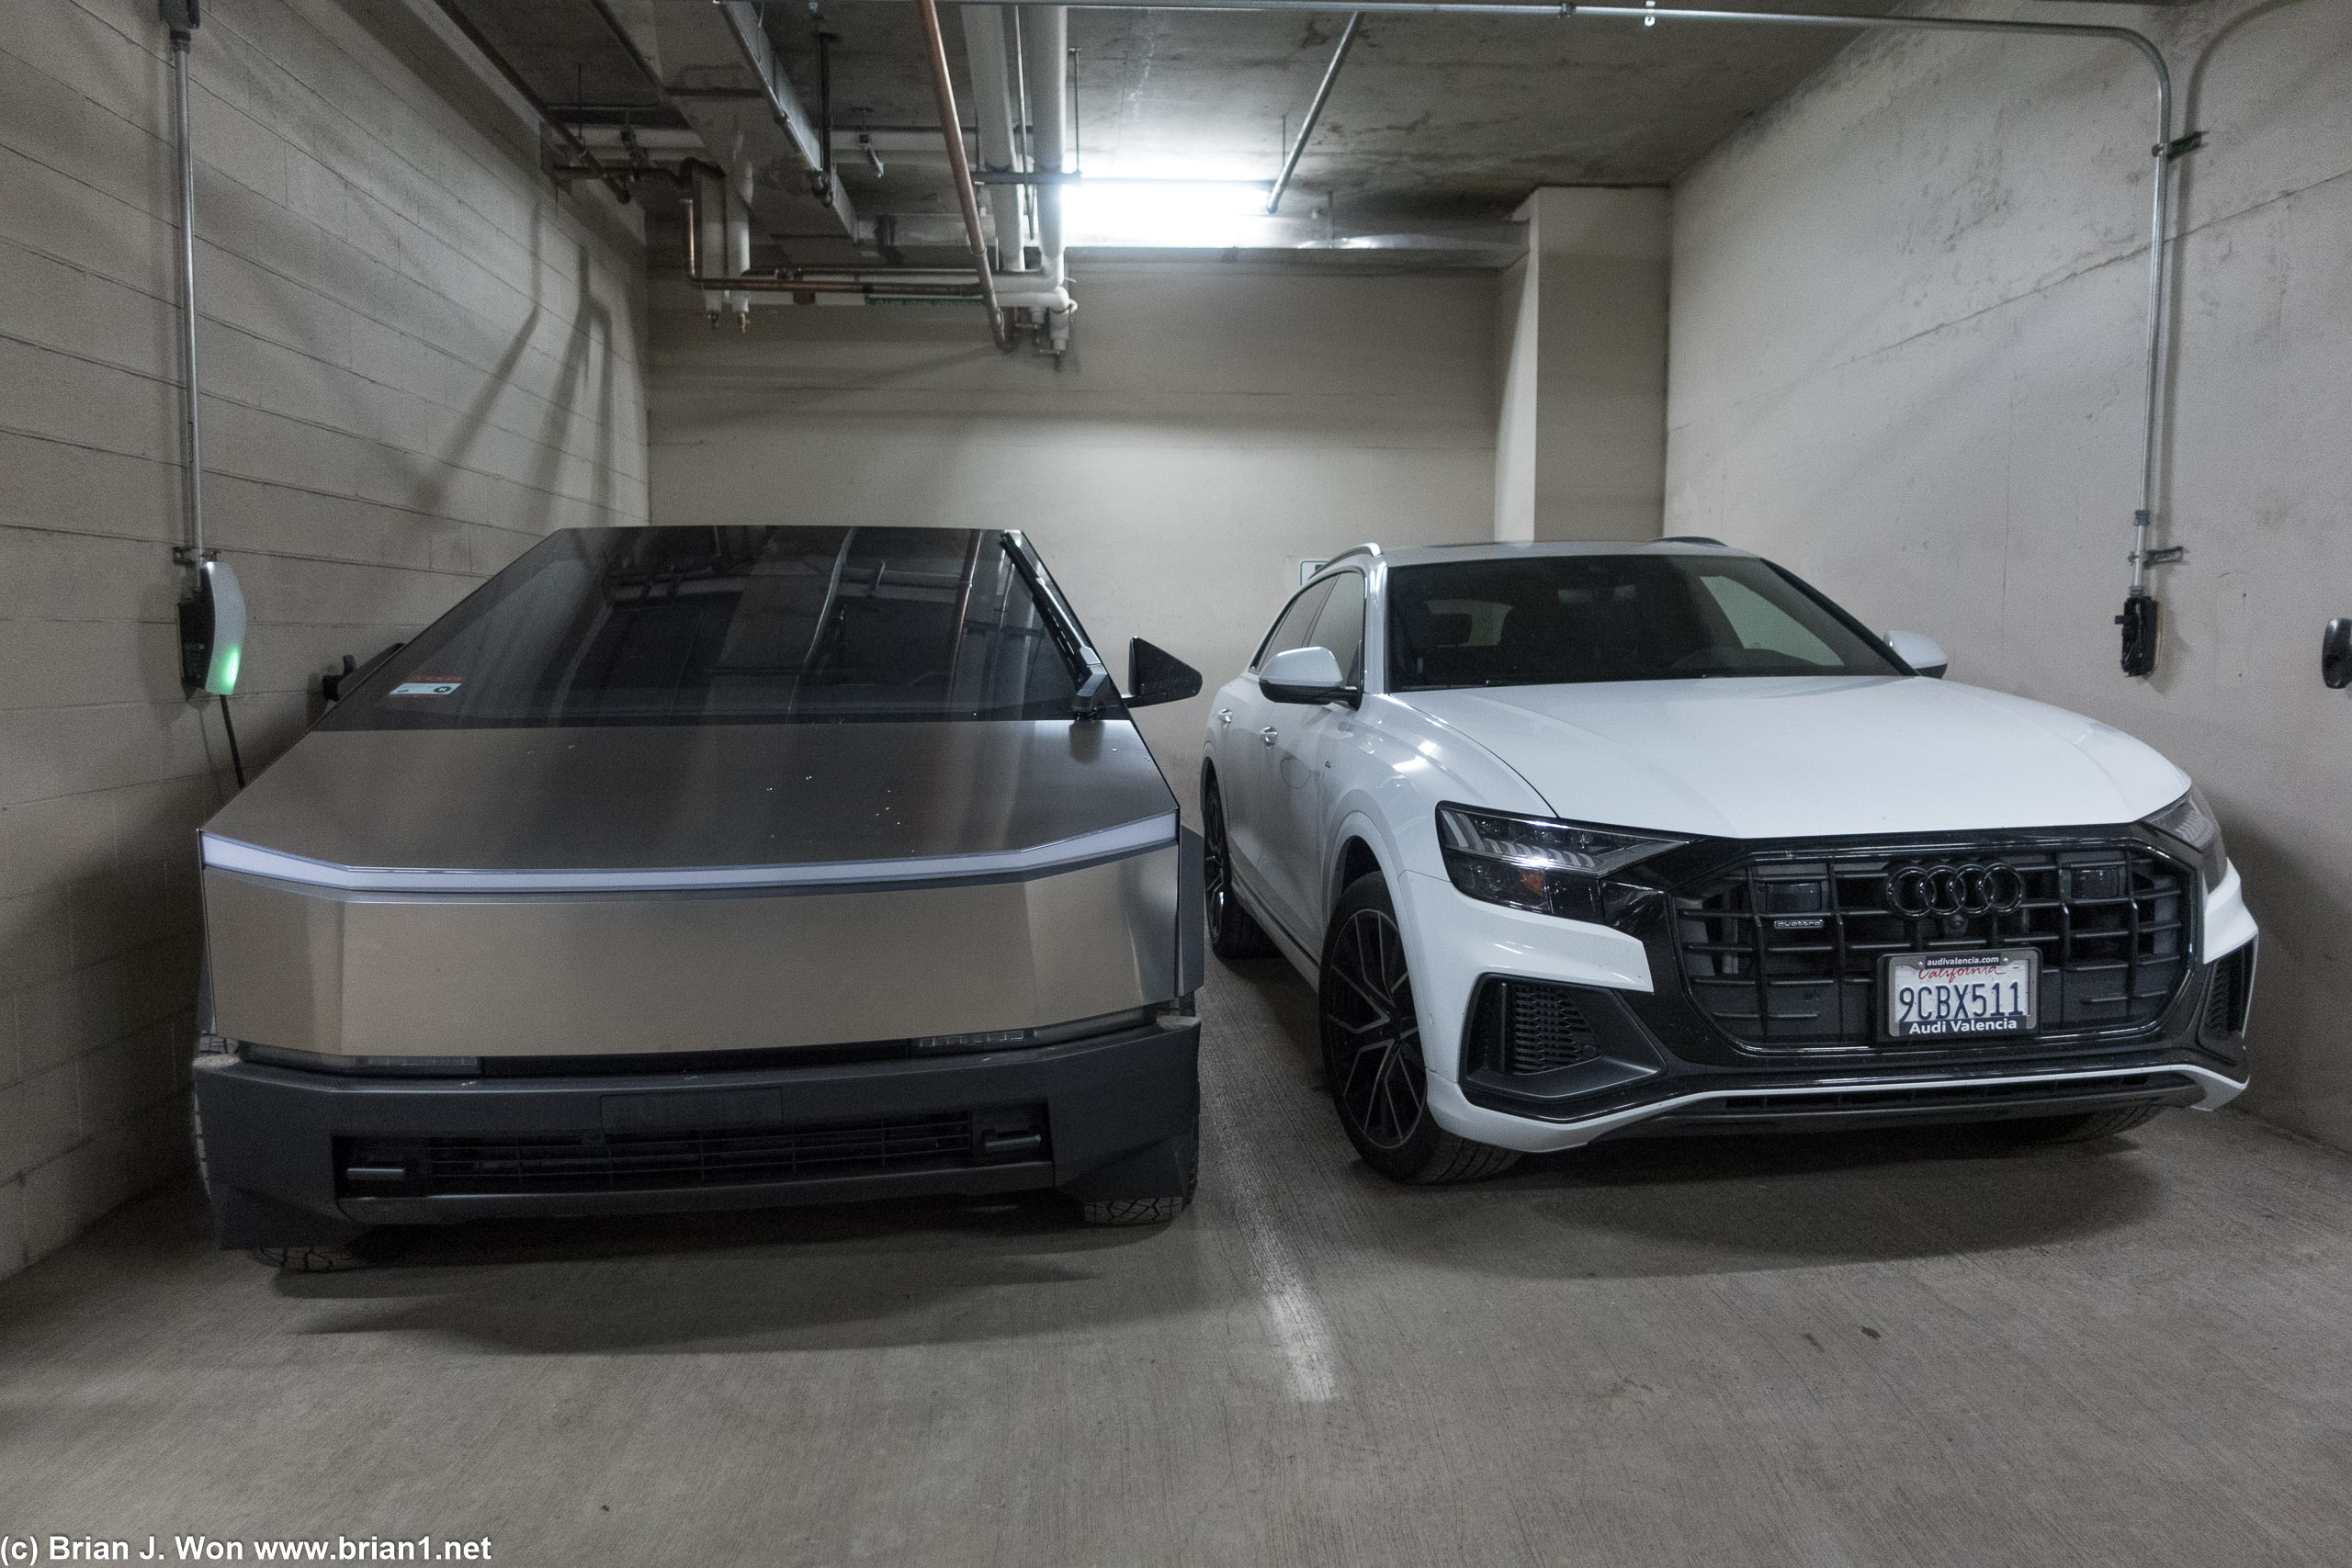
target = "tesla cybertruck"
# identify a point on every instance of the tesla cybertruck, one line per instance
(695, 868)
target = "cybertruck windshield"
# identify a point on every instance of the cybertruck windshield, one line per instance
(727, 626)
(1556, 620)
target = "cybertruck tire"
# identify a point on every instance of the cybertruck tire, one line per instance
(2088, 1127)
(1151, 1210)
(308, 1259)
(301, 1258)
(1134, 1211)
(1372, 1050)
(1234, 932)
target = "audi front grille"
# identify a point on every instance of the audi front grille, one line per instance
(1782, 951)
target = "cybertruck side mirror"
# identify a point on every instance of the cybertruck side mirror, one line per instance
(1309, 674)
(1156, 675)
(1923, 654)
(2336, 654)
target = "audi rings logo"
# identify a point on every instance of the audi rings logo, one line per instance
(1920, 891)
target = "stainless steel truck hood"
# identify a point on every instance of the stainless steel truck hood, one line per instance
(645, 808)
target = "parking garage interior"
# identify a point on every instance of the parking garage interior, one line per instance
(2004, 321)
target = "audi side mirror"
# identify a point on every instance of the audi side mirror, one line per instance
(1156, 675)
(1309, 674)
(1923, 654)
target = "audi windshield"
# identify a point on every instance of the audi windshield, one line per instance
(715, 625)
(1555, 620)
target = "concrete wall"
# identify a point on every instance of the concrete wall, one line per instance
(416, 359)
(1906, 323)
(1216, 422)
(1580, 334)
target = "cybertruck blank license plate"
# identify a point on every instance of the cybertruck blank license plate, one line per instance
(1960, 996)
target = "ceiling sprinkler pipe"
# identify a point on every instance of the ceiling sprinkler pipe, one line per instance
(951, 123)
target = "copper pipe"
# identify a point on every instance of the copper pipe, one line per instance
(952, 125)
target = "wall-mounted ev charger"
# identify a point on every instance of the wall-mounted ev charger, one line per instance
(212, 643)
(212, 631)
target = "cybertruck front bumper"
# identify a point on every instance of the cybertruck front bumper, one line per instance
(299, 1156)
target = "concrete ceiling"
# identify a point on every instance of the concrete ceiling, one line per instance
(1433, 117)
(1436, 122)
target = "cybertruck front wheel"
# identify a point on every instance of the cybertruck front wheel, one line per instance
(296, 1258)
(1372, 1050)
(1154, 1209)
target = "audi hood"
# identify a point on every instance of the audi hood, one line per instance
(1768, 757)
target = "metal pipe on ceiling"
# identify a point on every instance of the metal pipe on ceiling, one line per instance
(924, 284)
(1313, 112)
(944, 91)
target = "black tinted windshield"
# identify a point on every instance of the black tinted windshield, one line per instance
(717, 625)
(1548, 620)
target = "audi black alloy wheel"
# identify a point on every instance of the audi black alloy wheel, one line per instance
(1372, 1050)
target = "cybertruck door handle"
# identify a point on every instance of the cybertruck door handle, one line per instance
(1267, 735)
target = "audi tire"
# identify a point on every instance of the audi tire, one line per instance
(1371, 1052)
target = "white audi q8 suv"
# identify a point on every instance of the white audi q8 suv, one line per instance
(1591, 840)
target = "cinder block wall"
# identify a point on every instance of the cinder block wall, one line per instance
(417, 358)
(1907, 314)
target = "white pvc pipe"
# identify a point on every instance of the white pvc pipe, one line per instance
(710, 217)
(1045, 45)
(992, 106)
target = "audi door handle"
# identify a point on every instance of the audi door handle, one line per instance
(1225, 715)
(1267, 735)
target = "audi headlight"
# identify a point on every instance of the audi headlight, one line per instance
(2191, 823)
(1554, 868)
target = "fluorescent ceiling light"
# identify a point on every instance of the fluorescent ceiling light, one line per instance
(1169, 205)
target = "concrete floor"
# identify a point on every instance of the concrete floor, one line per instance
(1882, 1351)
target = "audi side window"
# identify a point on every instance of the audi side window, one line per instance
(1292, 630)
(1340, 625)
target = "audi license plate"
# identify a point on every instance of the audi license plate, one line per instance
(1957, 995)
